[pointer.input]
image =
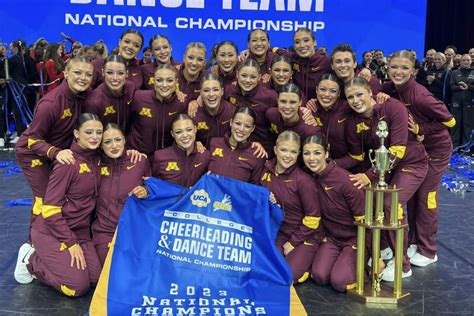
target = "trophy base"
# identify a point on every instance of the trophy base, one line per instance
(385, 296)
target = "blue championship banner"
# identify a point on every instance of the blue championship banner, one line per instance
(208, 250)
(366, 24)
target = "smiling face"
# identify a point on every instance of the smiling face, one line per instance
(286, 153)
(226, 58)
(115, 75)
(449, 53)
(343, 65)
(241, 127)
(194, 61)
(439, 61)
(368, 57)
(130, 45)
(360, 99)
(79, 76)
(113, 143)
(281, 73)
(89, 135)
(314, 157)
(288, 105)
(400, 70)
(165, 83)
(211, 93)
(466, 61)
(327, 93)
(162, 50)
(248, 78)
(184, 134)
(258, 43)
(304, 44)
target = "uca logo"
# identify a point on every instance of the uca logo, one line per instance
(200, 198)
(224, 205)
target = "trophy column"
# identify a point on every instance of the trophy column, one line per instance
(375, 221)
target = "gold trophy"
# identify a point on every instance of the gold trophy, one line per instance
(375, 221)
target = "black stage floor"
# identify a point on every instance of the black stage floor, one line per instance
(440, 289)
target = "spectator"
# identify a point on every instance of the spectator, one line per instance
(426, 66)
(51, 69)
(147, 53)
(450, 52)
(438, 79)
(462, 87)
(471, 53)
(88, 52)
(100, 49)
(382, 71)
(456, 62)
(369, 63)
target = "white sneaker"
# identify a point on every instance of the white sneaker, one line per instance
(388, 274)
(2, 142)
(14, 140)
(421, 261)
(411, 251)
(21, 274)
(386, 254)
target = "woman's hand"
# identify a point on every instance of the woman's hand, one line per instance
(139, 191)
(287, 248)
(65, 157)
(381, 97)
(308, 117)
(200, 147)
(366, 74)
(311, 104)
(412, 126)
(259, 152)
(181, 96)
(360, 180)
(244, 55)
(77, 256)
(193, 107)
(135, 155)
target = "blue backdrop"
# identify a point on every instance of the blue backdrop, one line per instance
(387, 24)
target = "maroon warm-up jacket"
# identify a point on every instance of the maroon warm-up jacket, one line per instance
(209, 126)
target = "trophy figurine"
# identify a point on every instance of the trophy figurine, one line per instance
(374, 221)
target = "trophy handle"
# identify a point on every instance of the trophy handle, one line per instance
(372, 158)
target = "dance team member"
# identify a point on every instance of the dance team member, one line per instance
(51, 69)
(330, 113)
(340, 203)
(110, 101)
(154, 111)
(161, 48)
(288, 116)
(212, 119)
(120, 177)
(232, 155)
(308, 64)
(410, 167)
(258, 42)
(49, 135)
(130, 44)
(250, 92)
(191, 71)
(300, 233)
(181, 163)
(63, 255)
(429, 120)
(280, 72)
(227, 62)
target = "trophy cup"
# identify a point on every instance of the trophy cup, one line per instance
(374, 220)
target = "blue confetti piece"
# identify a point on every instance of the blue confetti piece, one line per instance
(18, 202)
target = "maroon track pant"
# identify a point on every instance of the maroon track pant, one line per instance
(52, 266)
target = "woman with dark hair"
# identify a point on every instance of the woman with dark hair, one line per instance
(369, 63)
(232, 155)
(161, 48)
(227, 63)
(50, 133)
(154, 111)
(288, 115)
(308, 64)
(181, 163)
(111, 99)
(130, 44)
(258, 42)
(50, 70)
(411, 161)
(341, 203)
(250, 92)
(429, 121)
(121, 176)
(213, 117)
(281, 72)
(300, 233)
(63, 255)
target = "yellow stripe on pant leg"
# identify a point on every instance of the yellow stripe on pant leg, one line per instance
(38, 204)
(432, 200)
